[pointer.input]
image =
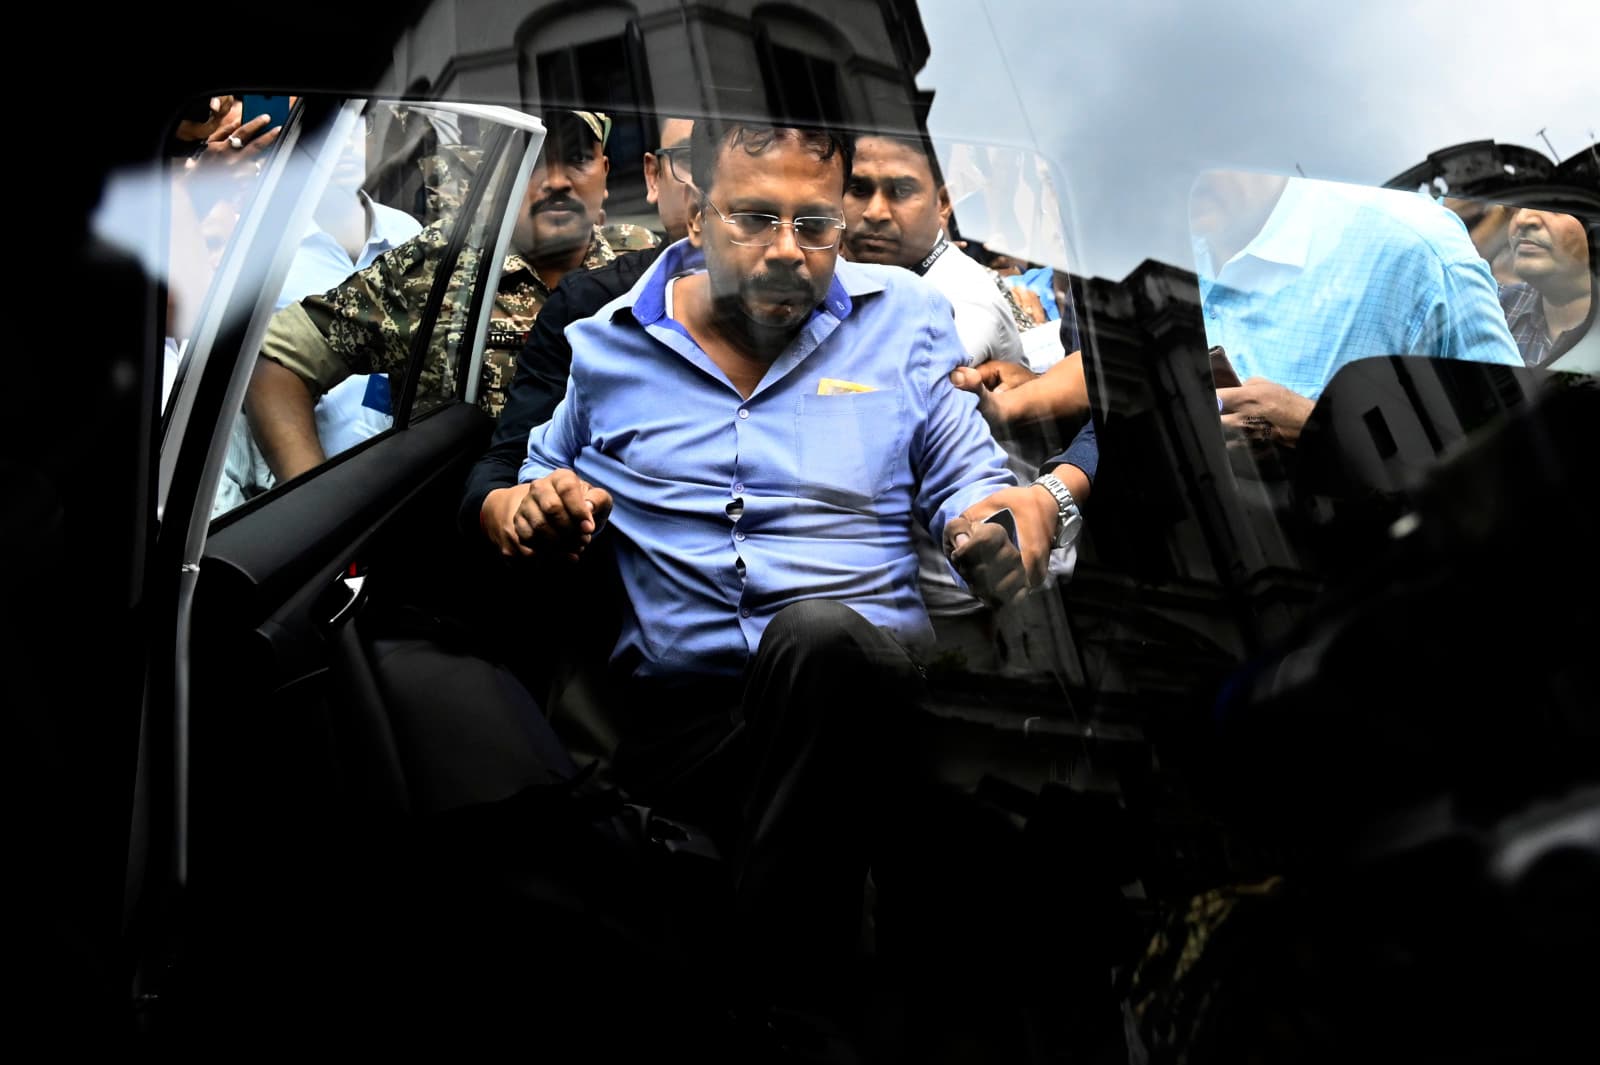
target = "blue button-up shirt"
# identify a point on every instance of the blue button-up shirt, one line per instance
(1339, 273)
(728, 509)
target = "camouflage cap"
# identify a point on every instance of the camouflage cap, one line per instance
(599, 124)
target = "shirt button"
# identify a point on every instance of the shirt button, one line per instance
(743, 413)
(739, 536)
(738, 489)
(745, 612)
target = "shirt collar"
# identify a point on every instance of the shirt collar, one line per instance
(1287, 244)
(1286, 236)
(648, 298)
(388, 227)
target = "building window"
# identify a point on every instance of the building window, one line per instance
(803, 87)
(593, 58)
(801, 58)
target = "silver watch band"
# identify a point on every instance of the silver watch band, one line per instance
(1069, 519)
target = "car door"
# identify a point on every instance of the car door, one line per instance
(263, 723)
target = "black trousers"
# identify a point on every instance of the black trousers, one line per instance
(793, 767)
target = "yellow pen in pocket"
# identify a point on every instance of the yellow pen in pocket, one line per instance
(833, 386)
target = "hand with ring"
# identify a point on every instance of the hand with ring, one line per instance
(234, 143)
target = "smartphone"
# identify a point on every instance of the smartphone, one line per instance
(1007, 521)
(1222, 371)
(255, 106)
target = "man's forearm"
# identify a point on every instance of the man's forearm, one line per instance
(1059, 392)
(281, 412)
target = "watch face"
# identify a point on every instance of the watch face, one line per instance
(1069, 528)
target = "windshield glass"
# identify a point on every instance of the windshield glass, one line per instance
(1035, 487)
(1135, 103)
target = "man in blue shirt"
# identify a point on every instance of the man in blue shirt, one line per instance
(1298, 278)
(792, 412)
(760, 438)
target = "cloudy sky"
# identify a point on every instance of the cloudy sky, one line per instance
(1129, 101)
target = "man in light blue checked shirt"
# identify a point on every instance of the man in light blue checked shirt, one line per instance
(1299, 278)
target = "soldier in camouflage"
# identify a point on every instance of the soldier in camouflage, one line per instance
(518, 305)
(365, 325)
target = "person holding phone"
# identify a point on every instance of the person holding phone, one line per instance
(275, 109)
(209, 177)
(238, 141)
(1300, 277)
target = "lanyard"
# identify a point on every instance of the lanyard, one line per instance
(939, 248)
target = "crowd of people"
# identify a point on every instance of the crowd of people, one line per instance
(821, 443)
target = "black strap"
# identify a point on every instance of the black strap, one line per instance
(940, 246)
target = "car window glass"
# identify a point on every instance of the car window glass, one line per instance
(1126, 121)
(1287, 255)
(1232, 85)
(355, 301)
(1300, 277)
(1542, 252)
(466, 304)
(179, 215)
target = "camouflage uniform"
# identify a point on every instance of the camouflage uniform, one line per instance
(521, 295)
(446, 177)
(365, 325)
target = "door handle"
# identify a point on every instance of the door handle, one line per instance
(349, 591)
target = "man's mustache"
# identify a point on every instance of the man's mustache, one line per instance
(563, 203)
(780, 284)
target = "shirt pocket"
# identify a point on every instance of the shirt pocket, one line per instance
(846, 446)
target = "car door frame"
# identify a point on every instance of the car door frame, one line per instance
(334, 508)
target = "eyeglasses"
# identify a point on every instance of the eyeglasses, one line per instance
(811, 232)
(680, 171)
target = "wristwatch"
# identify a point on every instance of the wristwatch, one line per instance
(1069, 519)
